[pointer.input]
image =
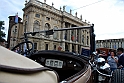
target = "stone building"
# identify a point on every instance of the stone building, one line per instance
(14, 32)
(40, 16)
(110, 43)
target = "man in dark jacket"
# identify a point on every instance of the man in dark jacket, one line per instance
(120, 57)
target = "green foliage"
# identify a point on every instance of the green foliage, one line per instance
(2, 34)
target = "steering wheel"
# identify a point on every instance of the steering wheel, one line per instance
(28, 50)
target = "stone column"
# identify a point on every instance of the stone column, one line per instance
(75, 39)
(63, 46)
(50, 45)
(42, 45)
(76, 48)
(84, 35)
(70, 34)
(70, 47)
(63, 32)
(43, 25)
(80, 36)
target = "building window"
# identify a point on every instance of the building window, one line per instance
(15, 29)
(37, 15)
(35, 46)
(36, 27)
(46, 47)
(83, 31)
(54, 47)
(47, 27)
(55, 35)
(82, 38)
(79, 47)
(65, 35)
(118, 44)
(26, 16)
(25, 26)
(77, 38)
(110, 45)
(72, 35)
(121, 45)
(73, 48)
(87, 40)
(47, 18)
(66, 47)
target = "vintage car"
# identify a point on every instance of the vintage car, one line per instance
(44, 67)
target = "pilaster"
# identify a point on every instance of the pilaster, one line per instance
(75, 36)
(62, 44)
(76, 48)
(30, 22)
(50, 45)
(43, 25)
(80, 36)
(70, 47)
(70, 34)
(42, 45)
(63, 32)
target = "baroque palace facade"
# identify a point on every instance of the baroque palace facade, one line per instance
(40, 16)
(110, 43)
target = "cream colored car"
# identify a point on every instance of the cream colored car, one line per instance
(45, 67)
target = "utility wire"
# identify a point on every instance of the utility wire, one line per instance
(88, 5)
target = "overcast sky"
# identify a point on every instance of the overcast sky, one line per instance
(106, 15)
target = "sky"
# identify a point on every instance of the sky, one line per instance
(106, 15)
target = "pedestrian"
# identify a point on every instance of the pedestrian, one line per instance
(104, 55)
(97, 53)
(112, 60)
(17, 50)
(121, 57)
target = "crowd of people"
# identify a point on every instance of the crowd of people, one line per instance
(115, 58)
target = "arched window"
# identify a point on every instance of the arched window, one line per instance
(47, 27)
(55, 35)
(36, 27)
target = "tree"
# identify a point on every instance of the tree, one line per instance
(2, 34)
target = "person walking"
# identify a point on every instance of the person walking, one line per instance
(112, 60)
